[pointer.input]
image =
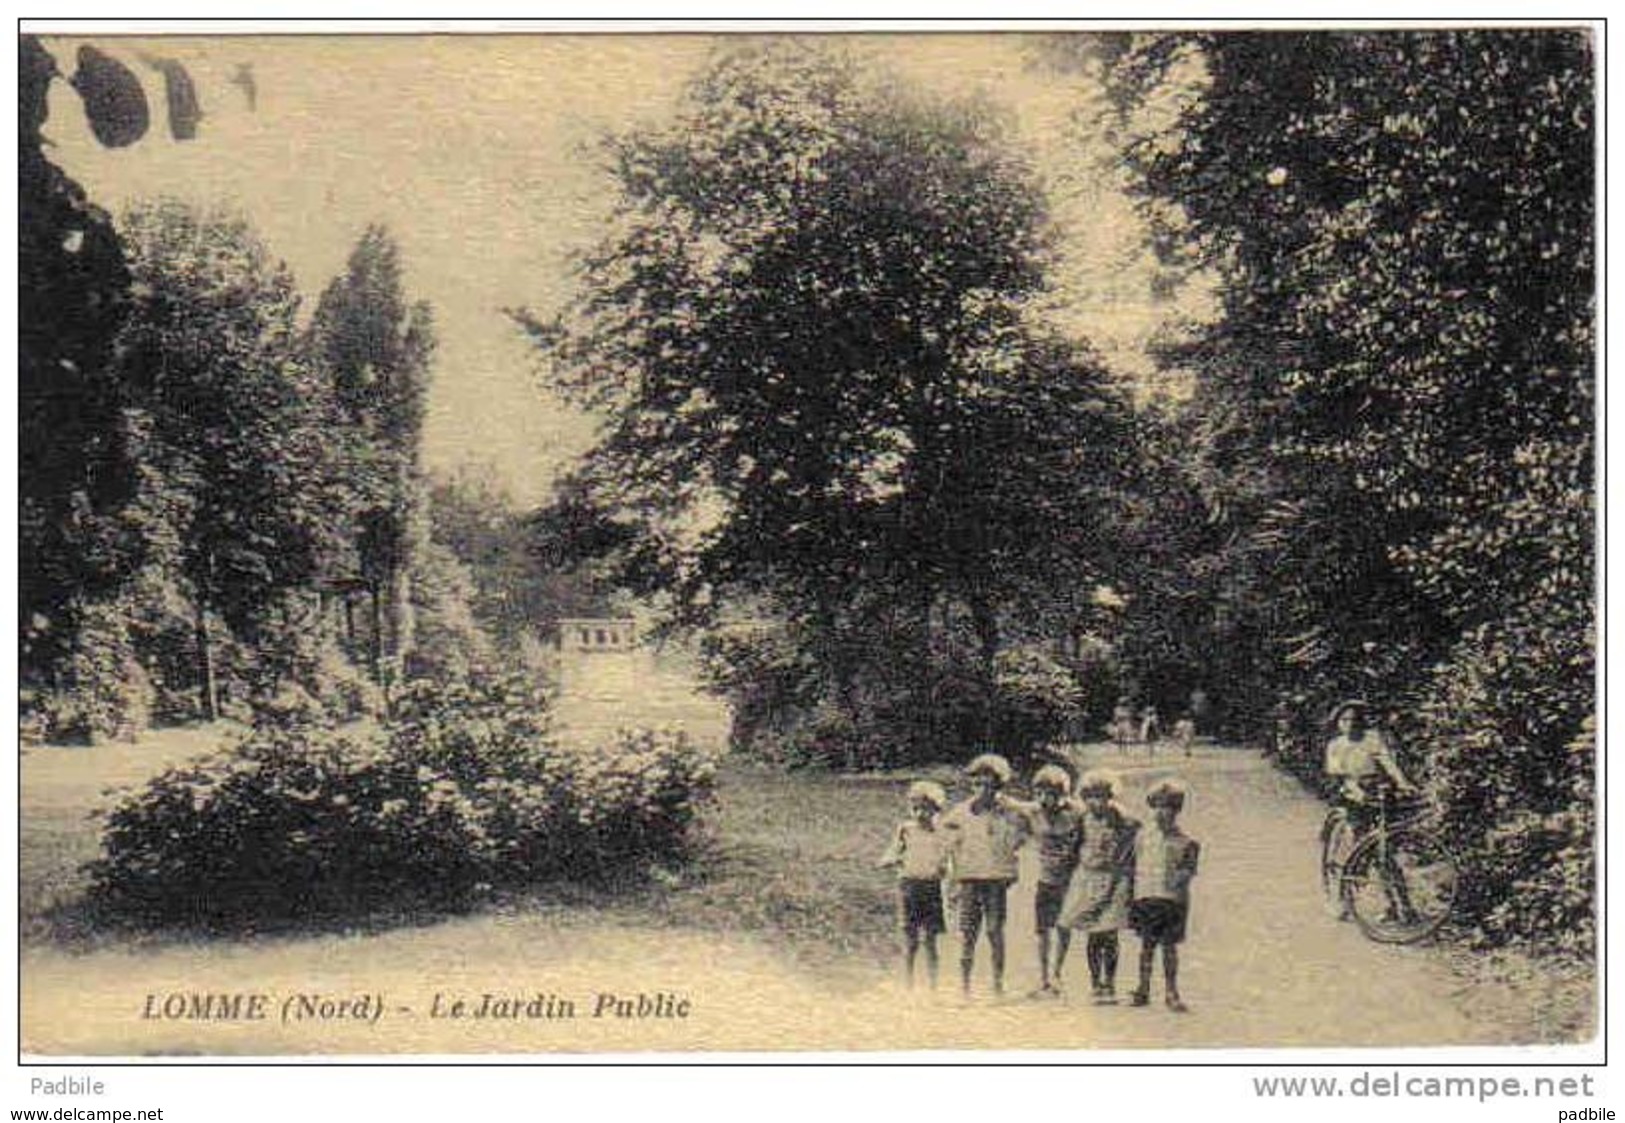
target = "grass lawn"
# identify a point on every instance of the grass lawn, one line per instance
(62, 788)
(792, 858)
(786, 858)
(786, 871)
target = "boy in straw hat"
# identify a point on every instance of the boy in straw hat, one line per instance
(1164, 864)
(1055, 820)
(919, 852)
(984, 833)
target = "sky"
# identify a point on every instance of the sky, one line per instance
(474, 150)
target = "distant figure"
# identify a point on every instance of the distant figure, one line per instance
(919, 852)
(1201, 710)
(243, 79)
(1185, 733)
(1281, 731)
(1123, 724)
(1150, 728)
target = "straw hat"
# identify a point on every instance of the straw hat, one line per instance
(928, 791)
(991, 764)
(1098, 781)
(1053, 777)
(1170, 792)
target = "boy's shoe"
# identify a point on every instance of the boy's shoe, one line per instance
(1176, 1005)
(1106, 996)
(1139, 998)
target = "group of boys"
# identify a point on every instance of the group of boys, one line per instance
(1099, 869)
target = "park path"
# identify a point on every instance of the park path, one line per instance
(1265, 966)
(1265, 963)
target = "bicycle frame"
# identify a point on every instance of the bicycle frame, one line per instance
(1371, 884)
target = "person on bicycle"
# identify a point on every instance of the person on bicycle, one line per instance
(1360, 762)
(1359, 759)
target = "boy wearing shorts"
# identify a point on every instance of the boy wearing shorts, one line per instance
(1164, 863)
(1055, 821)
(984, 833)
(919, 852)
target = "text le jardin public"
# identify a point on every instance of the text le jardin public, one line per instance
(371, 1008)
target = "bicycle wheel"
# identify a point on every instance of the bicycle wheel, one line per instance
(1336, 844)
(1400, 885)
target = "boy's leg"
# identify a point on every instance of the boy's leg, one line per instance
(912, 935)
(970, 927)
(997, 897)
(1092, 949)
(1063, 944)
(1046, 912)
(1148, 951)
(1170, 975)
(931, 960)
(1108, 962)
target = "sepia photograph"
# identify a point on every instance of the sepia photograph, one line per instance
(713, 541)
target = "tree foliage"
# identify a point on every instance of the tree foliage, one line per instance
(521, 580)
(207, 487)
(73, 467)
(234, 422)
(375, 350)
(810, 334)
(1397, 406)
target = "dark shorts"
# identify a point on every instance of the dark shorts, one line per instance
(1047, 904)
(1157, 920)
(982, 901)
(921, 901)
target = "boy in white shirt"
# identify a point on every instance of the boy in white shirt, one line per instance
(1056, 823)
(984, 833)
(919, 851)
(1164, 863)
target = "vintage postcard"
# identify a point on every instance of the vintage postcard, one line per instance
(702, 541)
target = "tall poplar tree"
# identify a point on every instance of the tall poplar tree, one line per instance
(376, 351)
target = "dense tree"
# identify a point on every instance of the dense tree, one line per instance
(1409, 313)
(810, 335)
(230, 425)
(74, 472)
(1397, 404)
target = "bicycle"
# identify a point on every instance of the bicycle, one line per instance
(1397, 879)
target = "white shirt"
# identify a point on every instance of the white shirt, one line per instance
(1359, 758)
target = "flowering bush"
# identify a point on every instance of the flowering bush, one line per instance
(637, 798)
(462, 790)
(1510, 739)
